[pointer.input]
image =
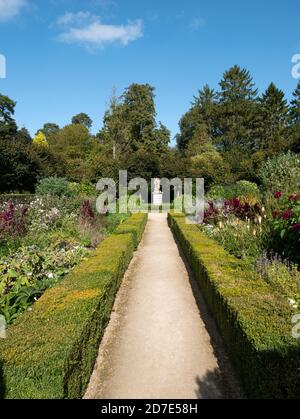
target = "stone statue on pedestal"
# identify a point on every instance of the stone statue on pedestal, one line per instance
(157, 194)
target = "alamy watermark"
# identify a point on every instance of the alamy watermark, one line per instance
(296, 67)
(296, 326)
(2, 327)
(2, 67)
(133, 196)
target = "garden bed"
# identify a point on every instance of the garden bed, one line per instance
(50, 351)
(254, 320)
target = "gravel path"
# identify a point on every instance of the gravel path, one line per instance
(161, 343)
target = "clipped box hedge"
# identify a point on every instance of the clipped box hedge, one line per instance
(50, 351)
(135, 225)
(254, 320)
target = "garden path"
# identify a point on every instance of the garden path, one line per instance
(161, 342)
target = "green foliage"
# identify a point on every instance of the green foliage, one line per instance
(218, 192)
(236, 110)
(82, 119)
(247, 192)
(244, 190)
(203, 112)
(50, 128)
(241, 239)
(282, 275)
(50, 351)
(253, 318)
(135, 225)
(54, 186)
(16, 199)
(25, 275)
(130, 124)
(19, 168)
(73, 145)
(144, 164)
(83, 189)
(7, 123)
(295, 105)
(285, 228)
(273, 121)
(281, 173)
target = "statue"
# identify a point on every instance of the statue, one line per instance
(157, 186)
(157, 197)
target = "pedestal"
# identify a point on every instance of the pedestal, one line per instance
(157, 199)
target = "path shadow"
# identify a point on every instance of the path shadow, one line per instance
(225, 379)
(210, 386)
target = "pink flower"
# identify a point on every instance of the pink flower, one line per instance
(296, 227)
(278, 195)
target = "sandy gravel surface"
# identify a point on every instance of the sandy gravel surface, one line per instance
(161, 343)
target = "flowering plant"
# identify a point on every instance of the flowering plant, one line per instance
(13, 221)
(214, 213)
(25, 275)
(286, 226)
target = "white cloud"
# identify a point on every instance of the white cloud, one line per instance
(86, 29)
(10, 8)
(75, 18)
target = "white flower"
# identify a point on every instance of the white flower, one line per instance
(293, 303)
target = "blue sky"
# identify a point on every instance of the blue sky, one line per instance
(65, 56)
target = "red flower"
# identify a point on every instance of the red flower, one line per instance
(277, 195)
(287, 214)
(276, 214)
(296, 227)
(294, 198)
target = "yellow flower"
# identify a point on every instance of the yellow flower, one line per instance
(40, 140)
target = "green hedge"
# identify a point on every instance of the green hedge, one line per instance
(50, 351)
(134, 227)
(254, 320)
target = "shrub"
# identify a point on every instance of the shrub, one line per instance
(281, 173)
(218, 192)
(285, 227)
(253, 318)
(247, 192)
(54, 186)
(83, 189)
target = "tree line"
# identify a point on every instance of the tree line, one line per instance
(225, 136)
